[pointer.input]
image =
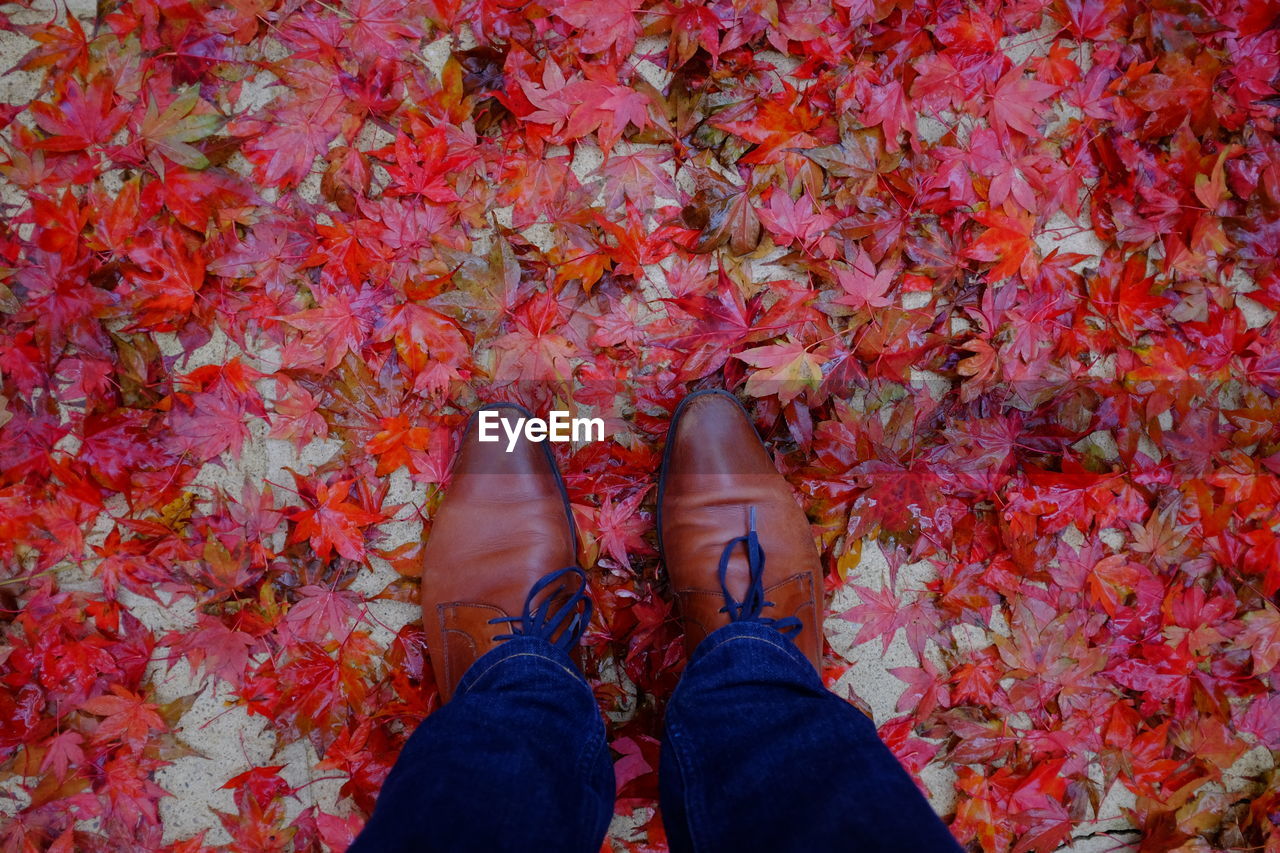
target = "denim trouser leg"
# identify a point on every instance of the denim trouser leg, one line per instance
(759, 756)
(516, 761)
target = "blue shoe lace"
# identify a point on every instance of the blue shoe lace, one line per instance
(751, 605)
(569, 620)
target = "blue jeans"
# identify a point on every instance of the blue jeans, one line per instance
(757, 755)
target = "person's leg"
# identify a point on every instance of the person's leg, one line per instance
(517, 760)
(758, 755)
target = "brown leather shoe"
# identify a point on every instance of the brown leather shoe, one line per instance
(715, 472)
(504, 525)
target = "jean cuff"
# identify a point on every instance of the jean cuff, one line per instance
(518, 651)
(747, 630)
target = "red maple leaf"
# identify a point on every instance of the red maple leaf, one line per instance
(212, 425)
(332, 523)
(82, 117)
(340, 325)
(297, 413)
(321, 611)
(127, 717)
(219, 649)
(606, 24)
(1007, 241)
(786, 369)
(622, 526)
(864, 286)
(63, 751)
(433, 348)
(927, 688)
(382, 28)
(284, 144)
(1262, 636)
(882, 613)
(1016, 103)
(795, 221)
(887, 106)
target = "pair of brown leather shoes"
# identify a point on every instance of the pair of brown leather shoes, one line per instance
(724, 515)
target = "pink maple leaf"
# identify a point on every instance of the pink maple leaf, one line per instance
(794, 221)
(320, 610)
(882, 613)
(865, 286)
(1016, 103)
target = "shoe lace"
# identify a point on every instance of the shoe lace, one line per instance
(569, 620)
(751, 605)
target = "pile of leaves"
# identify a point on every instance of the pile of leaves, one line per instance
(996, 278)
